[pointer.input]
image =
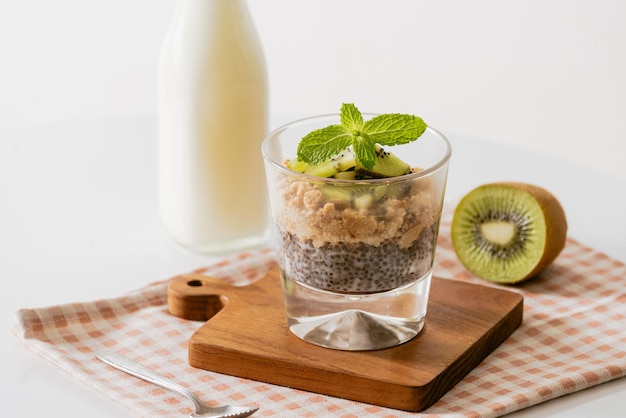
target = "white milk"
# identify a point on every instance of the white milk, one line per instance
(213, 111)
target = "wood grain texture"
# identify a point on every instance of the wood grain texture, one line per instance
(246, 335)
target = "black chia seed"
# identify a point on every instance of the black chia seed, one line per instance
(356, 267)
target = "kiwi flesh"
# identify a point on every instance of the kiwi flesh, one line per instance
(297, 165)
(345, 161)
(386, 165)
(346, 166)
(508, 232)
(357, 196)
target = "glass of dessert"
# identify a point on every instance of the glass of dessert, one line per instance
(356, 224)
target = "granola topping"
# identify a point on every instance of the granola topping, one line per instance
(372, 215)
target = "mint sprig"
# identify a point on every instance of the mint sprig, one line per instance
(387, 129)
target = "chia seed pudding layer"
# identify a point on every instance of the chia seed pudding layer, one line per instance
(356, 267)
(356, 237)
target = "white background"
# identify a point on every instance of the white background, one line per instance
(545, 75)
(77, 117)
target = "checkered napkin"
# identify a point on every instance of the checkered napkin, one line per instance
(573, 337)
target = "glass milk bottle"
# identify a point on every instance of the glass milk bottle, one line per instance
(213, 112)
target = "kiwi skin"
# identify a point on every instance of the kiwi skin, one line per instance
(555, 229)
(556, 225)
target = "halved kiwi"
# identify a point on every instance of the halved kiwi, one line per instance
(508, 232)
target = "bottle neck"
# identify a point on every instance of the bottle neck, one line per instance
(232, 9)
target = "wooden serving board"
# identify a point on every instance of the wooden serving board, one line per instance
(246, 335)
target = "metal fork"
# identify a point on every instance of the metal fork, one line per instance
(202, 410)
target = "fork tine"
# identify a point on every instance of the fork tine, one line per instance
(226, 412)
(202, 410)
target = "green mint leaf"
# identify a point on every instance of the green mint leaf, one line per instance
(365, 150)
(394, 128)
(388, 129)
(351, 118)
(322, 144)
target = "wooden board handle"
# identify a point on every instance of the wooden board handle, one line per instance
(196, 297)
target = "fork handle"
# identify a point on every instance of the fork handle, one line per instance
(133, 368)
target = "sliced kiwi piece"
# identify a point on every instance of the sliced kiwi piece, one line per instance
(358, 195)
(508, 232)
(345, 175)
(297, 165)
(363, 201)
(344, 161)
(386, 165)
(343, 195)
(346, 166)
(326, 168)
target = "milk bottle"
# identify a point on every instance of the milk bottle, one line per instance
(213, 111)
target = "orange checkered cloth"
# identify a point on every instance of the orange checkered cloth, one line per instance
(573, 337)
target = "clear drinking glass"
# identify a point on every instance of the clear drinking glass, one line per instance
(356, 256)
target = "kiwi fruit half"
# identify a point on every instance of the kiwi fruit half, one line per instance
(508, 232)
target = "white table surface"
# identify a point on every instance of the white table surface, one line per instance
(78, 221)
